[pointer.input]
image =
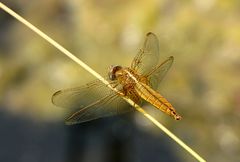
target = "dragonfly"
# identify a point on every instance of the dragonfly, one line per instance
(137, 82)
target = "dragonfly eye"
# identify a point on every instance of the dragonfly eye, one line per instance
(112, 72)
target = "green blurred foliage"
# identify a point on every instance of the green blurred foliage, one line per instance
(203, 85)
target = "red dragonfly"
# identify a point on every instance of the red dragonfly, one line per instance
(137, 82)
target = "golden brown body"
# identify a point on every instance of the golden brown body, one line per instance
(134, 84)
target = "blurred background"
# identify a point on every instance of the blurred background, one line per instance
(203, 84)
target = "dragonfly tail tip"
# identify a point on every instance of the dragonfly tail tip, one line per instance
(177, 117)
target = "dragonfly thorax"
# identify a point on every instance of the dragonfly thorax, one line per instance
(122, 74)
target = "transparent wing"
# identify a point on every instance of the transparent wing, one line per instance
(147, 58)
(107, 106)
(75, 98)
(91, 101)
(156, 75)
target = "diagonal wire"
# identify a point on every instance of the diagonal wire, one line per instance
(86, 67)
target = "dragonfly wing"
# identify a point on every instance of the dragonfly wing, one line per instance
(147, 58)
(91, 101)
(79, 97)
(107, 106)
(156, 75)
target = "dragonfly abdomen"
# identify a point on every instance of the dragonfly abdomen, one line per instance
(156, 99)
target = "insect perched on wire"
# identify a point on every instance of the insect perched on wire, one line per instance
(137, 82)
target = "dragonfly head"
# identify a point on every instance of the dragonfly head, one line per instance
(112, 71)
